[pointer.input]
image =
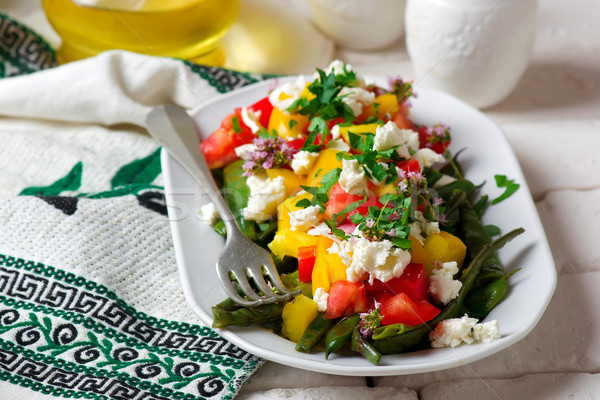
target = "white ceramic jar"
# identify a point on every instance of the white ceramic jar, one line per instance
(359, 24)
(476, 50)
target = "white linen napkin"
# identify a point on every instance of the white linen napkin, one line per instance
(90, 300)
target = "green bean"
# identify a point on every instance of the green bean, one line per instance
(476, 237)
(481, 205)
(432, 175)
(313, 333)
(446, 191)
(267, 230)
(359, 344)
(228, 305)
(453, 168)
(247, 316)
(483, 299)
(340, 334)
(417, 337)
(387, 331)
(292, 282)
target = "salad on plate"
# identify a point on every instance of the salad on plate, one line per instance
(364, 210)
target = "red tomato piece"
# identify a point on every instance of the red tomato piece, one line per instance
(264, 107)
(346, 298)
(411, 165)
(339, 199)
(429, 140)
(402, 309)
(296, 144)
(245, 133)
(306, 263)
(402, 121)
(334, 122)
(219, 147)
(413, 282)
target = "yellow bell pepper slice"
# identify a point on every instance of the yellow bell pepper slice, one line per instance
(444, 247)
(285, 207)
(291, 180)
(328, 268)
(286, 242)
(358, 130)
(281, 122)
(417, 249)
(326, 162)
(297, 315)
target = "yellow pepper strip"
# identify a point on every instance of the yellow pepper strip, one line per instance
(296, 316)
(288, 205)
(444, 247)
(326, 162)
(286, 242)
(418, 253)
(281, 122)
(358, 130)
(291, 180)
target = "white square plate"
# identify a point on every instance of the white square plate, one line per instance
(487, 153)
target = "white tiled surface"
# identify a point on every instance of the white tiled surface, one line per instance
(552, 120)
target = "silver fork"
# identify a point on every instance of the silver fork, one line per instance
(175, 130)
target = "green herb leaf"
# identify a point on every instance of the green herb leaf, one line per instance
(509, 185)
(493, 230)
(236, 125)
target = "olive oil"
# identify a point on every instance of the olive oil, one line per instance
(186, 29)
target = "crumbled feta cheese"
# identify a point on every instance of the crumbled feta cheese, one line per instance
(337, 144)
(343, 249)
(444, 180)
(250, 119)
(265, 195)
(243, 150)
(337, 67)
(320, 297)
(377, 259)
(427, 157)
(304, 218)
(356, 98)
(442, 285)
(486, 331)
(320, 230)
(335, 132)
(420, 229)
(352, 178)
(303, 161)
(455, 331)
(208, 214)
(389, 135)
(283, 96)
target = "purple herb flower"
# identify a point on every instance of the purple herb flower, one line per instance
(269, 153)
(438, 201)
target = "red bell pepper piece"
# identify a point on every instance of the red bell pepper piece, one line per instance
(306, 263)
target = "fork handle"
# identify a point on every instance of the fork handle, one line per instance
(180, 138)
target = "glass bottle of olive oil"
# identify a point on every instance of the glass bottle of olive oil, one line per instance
(186, 29)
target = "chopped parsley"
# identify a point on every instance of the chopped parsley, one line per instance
(235, 122)
(319, 194)
(509, 185)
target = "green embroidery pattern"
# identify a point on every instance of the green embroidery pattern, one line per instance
(22, 51)
(131, 178)
(65, 335)
(225, 80)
